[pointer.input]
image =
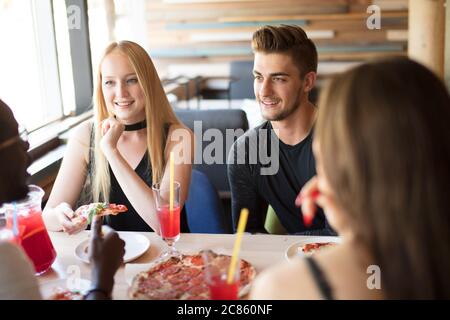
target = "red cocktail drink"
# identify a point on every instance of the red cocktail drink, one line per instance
(170, 223)
(169, 220)
(221, 290)
(34, 239)
(24, 218)
(216, 277)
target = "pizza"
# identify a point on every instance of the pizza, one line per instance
(183, 279)
(88, 211)
(311, 248)
(65, 294)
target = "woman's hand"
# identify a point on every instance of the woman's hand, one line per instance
(106, 256)
(111, 131)
(316, 192)
(65, 216)
(306, 199)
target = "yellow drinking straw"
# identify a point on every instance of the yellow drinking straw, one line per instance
(171, 182)
(237, 245)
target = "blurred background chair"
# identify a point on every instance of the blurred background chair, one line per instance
(221, 120)
(204, 209)
(209, 88)
(272, 224)
(242, 87)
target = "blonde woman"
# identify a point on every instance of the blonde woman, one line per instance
(117, 156)
(382, 147)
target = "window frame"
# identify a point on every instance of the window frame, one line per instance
(47, 58)
(80, 50)
(42, 138)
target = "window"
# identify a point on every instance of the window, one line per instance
(115, 20)
(64, 56)
(29, 78)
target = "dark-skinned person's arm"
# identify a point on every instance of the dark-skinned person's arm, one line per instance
(106, 253)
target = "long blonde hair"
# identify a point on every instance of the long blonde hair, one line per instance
(384, 137)
(158, 113)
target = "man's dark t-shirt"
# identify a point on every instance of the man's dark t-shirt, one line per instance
(258, 178)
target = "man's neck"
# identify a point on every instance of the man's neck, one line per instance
(297, 126)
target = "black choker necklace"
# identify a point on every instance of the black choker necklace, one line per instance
(136, 126)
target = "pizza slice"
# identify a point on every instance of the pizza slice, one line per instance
(311, 248)
(65, 294)
(88, 211)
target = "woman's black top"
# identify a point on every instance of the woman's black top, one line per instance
(131, 220)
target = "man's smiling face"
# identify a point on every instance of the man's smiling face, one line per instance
(277, 84)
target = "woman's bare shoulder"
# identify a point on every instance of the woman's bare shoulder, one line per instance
(82, 132)
(288, 280)
(346, 270)
(179, 129)
(180, 134)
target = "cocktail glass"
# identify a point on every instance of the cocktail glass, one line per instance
(216, 276)
(169, 220)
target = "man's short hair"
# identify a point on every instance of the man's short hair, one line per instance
(287, 39)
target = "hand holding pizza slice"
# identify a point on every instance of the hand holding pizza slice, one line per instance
(87, 212)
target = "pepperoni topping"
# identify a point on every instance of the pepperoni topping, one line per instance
(165, 272)
(198, 280)
(181, 277)
(199, 290)
(197, 260)
(167, 263)
(149, 284)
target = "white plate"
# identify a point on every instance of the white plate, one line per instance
(51, 287)
(135, 246)
(294, 250)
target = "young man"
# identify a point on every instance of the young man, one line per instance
(271, 163)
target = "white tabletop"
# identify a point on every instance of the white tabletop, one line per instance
(262, 251)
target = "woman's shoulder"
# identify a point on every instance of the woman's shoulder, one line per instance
(82, 132)
(345, 268)
(12, 256)
(8, 249)
(290, 280)
(17, 280)
(85, 127)
(178, 133)
(13, 259)
(179, 129)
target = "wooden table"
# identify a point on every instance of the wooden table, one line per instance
(261, 250)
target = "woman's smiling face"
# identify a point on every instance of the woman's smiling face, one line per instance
(122, 91)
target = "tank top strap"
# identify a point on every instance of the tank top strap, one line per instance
(91, 149)
(320, 279)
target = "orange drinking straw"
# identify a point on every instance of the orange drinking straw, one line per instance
(237, 244)
(171, 186)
